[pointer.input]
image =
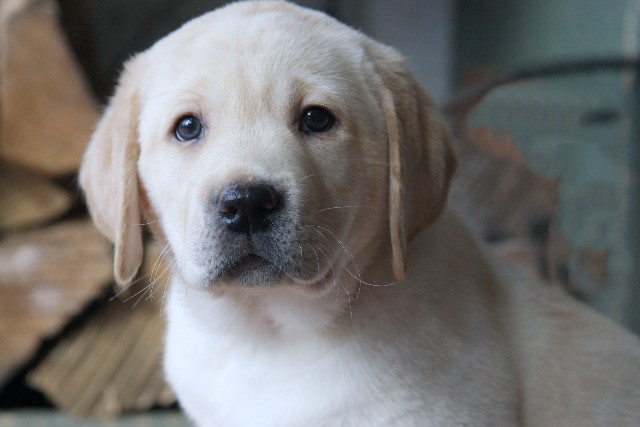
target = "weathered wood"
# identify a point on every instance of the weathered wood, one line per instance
(28, 199)
(46, 112)
(46, 277)
(112, 364)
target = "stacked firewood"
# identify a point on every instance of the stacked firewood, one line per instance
(53, 262)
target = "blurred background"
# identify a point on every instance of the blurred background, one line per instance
(542, 96)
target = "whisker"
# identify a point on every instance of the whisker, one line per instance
(159, 276)
(166, 287)
(148, 289)
(342, 207)
(342, 244)
(156, 265)
(138, 293)
(336, 279)
(353, 297)
(128, 287)
(168, 268)
(317, 258)
(370, 284)
(340, 285)
(145, 292)
(153, 276)
(165, 291)
(146, 223)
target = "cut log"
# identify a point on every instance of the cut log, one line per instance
(28, 199)
(46, 277)
(112, 364)
(46, 112)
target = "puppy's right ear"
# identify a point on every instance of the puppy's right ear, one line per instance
(109, 178)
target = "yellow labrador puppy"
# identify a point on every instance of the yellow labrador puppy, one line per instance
(298, 174)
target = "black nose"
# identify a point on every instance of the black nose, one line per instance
(247, 209)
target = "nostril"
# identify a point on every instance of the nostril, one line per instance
(247, 209)
(229, 203)
(228, 210)
(269, 199)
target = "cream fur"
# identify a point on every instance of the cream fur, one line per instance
(342, 340)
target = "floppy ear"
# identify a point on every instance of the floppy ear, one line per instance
(108, 176)
(421, 157)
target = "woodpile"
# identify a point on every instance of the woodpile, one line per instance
(53, 262)
(110, 364)
(46, 277)
(47, 112)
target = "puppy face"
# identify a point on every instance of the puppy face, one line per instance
(286, 154)
(265, 143)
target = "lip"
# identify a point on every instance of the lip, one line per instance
(252, 270)
(249, 261)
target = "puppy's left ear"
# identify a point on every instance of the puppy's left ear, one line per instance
(421, 156)
(109, 178)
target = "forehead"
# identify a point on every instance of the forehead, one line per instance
(256, 46)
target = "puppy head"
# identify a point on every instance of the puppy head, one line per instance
(267, 144)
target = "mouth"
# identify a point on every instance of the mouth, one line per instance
(252, 270)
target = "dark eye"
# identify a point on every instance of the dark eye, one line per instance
(188, 128)
(316, 119)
